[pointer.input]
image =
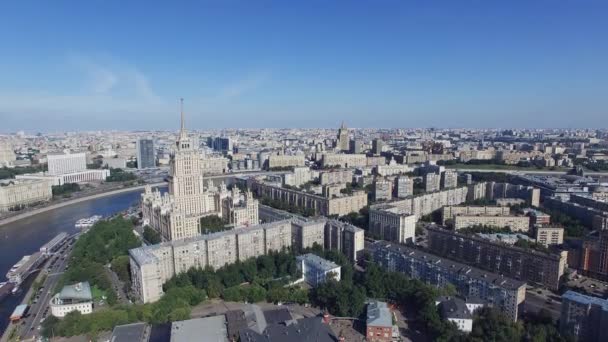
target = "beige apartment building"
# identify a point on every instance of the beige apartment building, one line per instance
(335, 177)
(16, 194)
(549, 235)
(152, 266)
(305, 234)
(344, 160)
(283, 160)
(515, 223)
(392, 223)
(427, 203)
(448, 212)
(340, 205)
(240, 212)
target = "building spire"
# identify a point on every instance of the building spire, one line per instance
(181, 106)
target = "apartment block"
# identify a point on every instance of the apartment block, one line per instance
(432, 182)
(449, 179)
(345, 238)
(528, 265)
(340, 205)
(392, 223)
(549, 235)
(335, 176)
(515, 223)
(404, 187)
(383, 190)
(584, 317)
(448, 212)
(284, 160)
(305, 234)
(344, 160)
(504, 293)
(427, 203)
(152, 266)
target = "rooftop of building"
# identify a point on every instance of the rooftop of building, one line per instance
(379, 315)
(454, 308)
(303, 330)
(212, 329)
(586, 300)
(78, 291)
(135, 332)
(319, 262)
(452, 266)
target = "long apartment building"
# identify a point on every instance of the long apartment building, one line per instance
(493, 190)
(284, 160)
(16, 194)
(589, 216)
(515, 223)
(448, 212)
(336, 176)
(152, 266)
(344, 160)
(427, 203)
(528, 265)
(504, 293)
(326, 206)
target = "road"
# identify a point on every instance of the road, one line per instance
(523, 171)
(534, 303)
(39, 310)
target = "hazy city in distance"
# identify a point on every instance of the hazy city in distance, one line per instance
(324, 171)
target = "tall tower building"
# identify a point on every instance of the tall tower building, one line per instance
(146, 156)
(343, 140)
(176, 214)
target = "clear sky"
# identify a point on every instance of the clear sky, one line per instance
(81, 65)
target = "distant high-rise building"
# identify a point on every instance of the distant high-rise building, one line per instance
(343, 139)
(146, 156)
(356, 147)
(404, 187)
(432, 182)
(449, 179)
(377, 145)
(7, 156)
(221, 144)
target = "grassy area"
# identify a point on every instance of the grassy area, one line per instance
(98, 293)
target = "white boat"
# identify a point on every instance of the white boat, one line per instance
(88, 222)
(15, 289)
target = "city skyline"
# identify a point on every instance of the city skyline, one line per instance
(521, 65)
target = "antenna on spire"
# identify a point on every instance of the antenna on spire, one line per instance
(181, 105)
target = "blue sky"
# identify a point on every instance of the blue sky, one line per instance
(81, 65)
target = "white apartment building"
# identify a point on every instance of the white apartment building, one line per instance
(549, 235)
(316, 270)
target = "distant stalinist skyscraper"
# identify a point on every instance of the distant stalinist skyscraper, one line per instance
(343, 138)
(176, 214)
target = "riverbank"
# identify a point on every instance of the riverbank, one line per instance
(73, 201)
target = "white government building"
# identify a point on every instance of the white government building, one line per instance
(67, 167)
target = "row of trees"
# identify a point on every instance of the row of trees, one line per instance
(267, 271)
(175, 305)
(65, 189)
(6, 173)
(572, 226)
(212, 224)
(108, 242)
(151, 235)
(120, 175)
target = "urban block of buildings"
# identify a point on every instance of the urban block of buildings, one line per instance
(584, 317)
(544, 268)
(504, 293)
(16, 194)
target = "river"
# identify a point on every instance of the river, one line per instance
(29, 234)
